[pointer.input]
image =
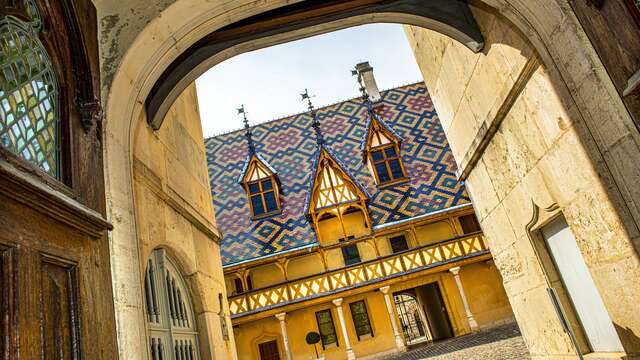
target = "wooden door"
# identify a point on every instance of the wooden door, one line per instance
(436, 312)
(582, 290)
(269, 350)
(55, 294)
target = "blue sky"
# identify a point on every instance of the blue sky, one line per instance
(268, 81)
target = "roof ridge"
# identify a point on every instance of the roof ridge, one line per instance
(305, 112)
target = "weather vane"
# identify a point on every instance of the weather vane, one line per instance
(247, 133)
(316, 123)
(306, 96)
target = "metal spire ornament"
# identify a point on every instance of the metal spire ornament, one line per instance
(316, 123)
(247, 128)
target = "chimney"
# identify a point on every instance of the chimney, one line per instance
(365, 72)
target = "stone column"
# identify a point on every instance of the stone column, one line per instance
(387, 299)
(350, 354)
(472, 321)
(285, 338)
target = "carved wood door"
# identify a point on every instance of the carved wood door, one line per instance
(55, 284)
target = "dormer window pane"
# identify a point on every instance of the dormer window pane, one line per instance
(267, 185)
(256, 201)
(270, 199)
(391, 152)
(377, 155)
(383, 174)
(254, 188)
(396, 169)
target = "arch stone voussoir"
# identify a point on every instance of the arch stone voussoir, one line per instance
(449, 17)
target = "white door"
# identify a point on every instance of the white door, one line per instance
(582, 290)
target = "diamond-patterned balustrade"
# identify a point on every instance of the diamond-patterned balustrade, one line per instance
(418, 259)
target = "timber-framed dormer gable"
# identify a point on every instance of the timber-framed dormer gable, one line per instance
(259, 179)
(334, 191)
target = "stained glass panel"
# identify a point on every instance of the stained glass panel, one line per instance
(29, 121)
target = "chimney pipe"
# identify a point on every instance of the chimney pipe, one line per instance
(365, 72)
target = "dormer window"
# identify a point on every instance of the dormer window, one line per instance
(382, 153)
(261, 184)
(337, 204)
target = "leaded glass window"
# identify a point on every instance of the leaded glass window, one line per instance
(29, 119)
(360, 318)
(326, 328)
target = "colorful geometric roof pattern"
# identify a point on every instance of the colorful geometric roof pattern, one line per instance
(289, 146)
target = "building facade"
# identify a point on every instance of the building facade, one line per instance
(353, 226)
(539, 101)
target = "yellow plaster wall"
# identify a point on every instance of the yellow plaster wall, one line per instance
(266, 275)
(543, 154)
(481, 282)
(300, 322)
(486, 296)
(174, 211)
(306, 265)
(331, 230)
(434, 232)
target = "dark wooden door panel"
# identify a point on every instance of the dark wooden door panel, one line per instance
(269, 350)
(59, 310)
(7, 305)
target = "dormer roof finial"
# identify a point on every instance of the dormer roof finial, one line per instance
(247, 134)
(316, 123)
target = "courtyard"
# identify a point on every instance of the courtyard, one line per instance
(501, 343)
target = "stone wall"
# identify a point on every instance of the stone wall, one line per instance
(541, 156)
(174, 211)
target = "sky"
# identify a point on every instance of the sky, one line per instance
(269, 81)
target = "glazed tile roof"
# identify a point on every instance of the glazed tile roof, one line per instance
(289, 146)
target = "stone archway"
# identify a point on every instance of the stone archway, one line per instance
(574, 69)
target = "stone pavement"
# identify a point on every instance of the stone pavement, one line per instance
(501, 343)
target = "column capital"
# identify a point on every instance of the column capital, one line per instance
(281, 316)
(385, 289)
(337, 302)
(455, 270)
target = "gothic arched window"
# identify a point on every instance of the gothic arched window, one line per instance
(29, 117)
(171, 324)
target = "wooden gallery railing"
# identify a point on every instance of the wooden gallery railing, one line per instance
(364, 273)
